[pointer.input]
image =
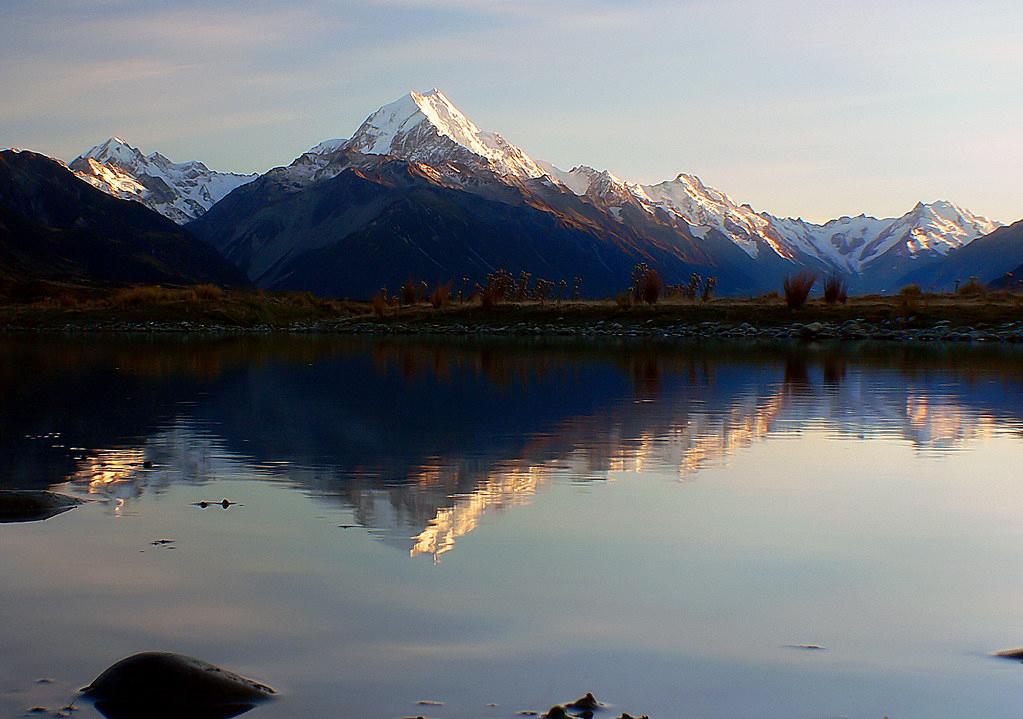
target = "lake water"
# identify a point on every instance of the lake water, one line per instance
(517, 524)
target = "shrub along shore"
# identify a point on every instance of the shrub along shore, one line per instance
(909, 316)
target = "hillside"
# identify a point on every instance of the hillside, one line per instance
(54, 226)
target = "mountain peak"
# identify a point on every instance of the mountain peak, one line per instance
(181, 191)
(428, 127)
(113, 149)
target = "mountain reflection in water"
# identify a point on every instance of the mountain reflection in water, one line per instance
(423, 439)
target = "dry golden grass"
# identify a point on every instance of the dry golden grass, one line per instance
(64, 304)
(207, 292)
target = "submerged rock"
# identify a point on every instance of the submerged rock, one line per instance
(161, 685)
(31, 505)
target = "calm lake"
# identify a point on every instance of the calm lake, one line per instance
(515, 524)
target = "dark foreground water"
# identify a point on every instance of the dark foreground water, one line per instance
(521, 524)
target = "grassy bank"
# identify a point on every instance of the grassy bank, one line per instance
(203, 305)
(208, 305)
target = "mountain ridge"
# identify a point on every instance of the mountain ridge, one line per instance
(427, 127)
(180, 191)
(54, 226)
(694, 225)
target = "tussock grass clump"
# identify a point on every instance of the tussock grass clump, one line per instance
(973, 288)
(441, 296)
(409, 292)
(709, 286)
(909, 301)
(207, 292)
(490, 297)
(650, 287)
(67, 301)
(142, 295)
(379, 302)
(797, 288)
(647, 284)
(835, 290)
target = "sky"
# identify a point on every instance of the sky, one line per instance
(811, 108)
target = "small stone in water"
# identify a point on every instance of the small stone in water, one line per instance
(1016, 654)
(586, 702)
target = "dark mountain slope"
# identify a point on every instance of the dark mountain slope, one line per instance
(987, 258)
(381, 221)
(54, 226)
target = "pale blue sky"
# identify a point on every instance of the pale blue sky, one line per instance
(799, 107)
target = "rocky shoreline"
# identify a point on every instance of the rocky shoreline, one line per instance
(897, 330)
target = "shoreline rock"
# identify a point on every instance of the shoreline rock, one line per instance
(162, 685)
(29, 505)
(851, 330)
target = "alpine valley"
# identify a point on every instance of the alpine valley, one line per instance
(420, 191)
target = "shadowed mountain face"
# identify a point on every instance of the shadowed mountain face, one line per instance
(54, 226)
(988, 259)
(373, 426)
(336, 238)
(379, 222)
(420, 191)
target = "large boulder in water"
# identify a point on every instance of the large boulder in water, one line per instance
(30, 505)
(161, 685)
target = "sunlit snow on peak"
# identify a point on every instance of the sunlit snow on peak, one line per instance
(427, 127)
(180, 191)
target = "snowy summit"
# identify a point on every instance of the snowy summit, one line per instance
(180, 191)
(428, 128)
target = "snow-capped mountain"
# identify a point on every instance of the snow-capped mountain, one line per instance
(180, 191)
(326, 146)
(315, 163)
(703, 208)
(428, 128)
(424, 140)
(852, 244)
(846, 244)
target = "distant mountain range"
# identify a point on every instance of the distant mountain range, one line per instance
(419, 190)
(181, 191)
